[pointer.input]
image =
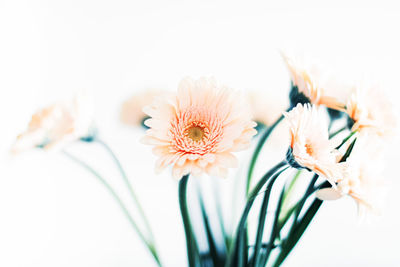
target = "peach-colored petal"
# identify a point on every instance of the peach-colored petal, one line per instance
(328, 194)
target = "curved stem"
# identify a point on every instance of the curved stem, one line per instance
(294, 233)
(192, 250)
(257, 151)
(130, 188)
(301, 227)
(262, 219)
(221, 220)
(275, 229)
(119, 202)
(239, 242)
(337, 132)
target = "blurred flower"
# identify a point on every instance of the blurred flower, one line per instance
(371, 111)
(57, 124)
(197, 130)
(264, 108)
(132, 109)
(361, 177)
(308, 86)
(310, 146)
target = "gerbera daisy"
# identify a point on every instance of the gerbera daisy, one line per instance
(308, 86)
(57, 124)
(197, 129)
(310, 146)
(371, 111)
(264, 108)
(132, 109)
(361, 177)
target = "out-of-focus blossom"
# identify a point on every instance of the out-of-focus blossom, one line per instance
(264, 108)
(309, 83)
(60, 123)
(362, 176)
(371, 111)
(198, 129)
(132, 109)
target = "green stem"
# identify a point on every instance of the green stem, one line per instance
(215, 255)
(275, 229)
(337, 132)
(290, 241)
(345, 140)
(119, 202)
(296, 235)
(239, 246)
(192, 249)
(257, 151)
(287, 197)
(221, 216)
(262, 218)
(130, 188)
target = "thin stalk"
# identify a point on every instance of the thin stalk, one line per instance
(192, 249)
(259, 146)
(345, 140)
(239, 245)
(337, 132)
(130, 189)
(221, 217)
(301, 227)
(215, 255)
(286, 209)
(119, 202)
(275, 229)
(262, 218)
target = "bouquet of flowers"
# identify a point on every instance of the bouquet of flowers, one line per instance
(197, 131)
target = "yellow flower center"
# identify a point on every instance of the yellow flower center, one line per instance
(195, 133)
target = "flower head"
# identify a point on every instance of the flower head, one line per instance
(132, 109)
(361, 176)
(264, 108)
(310, 146)
(371, 111)
(197, 130)
(309, 86)
(57, 124)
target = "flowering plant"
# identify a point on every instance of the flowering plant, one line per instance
(198, 130)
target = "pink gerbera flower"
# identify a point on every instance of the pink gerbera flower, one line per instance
(311, 83)
(371, 111)
(197, 129)
(310, 146)
(362, 177)
(54, 126)
(132, 109)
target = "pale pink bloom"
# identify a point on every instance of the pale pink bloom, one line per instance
(312, 84)
(198, 129)
(362, 177)
(371, 111)
(53, 126)
(265, 108)
(132, 109)
(310, 144)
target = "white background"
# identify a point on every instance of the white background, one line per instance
(53, 213)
